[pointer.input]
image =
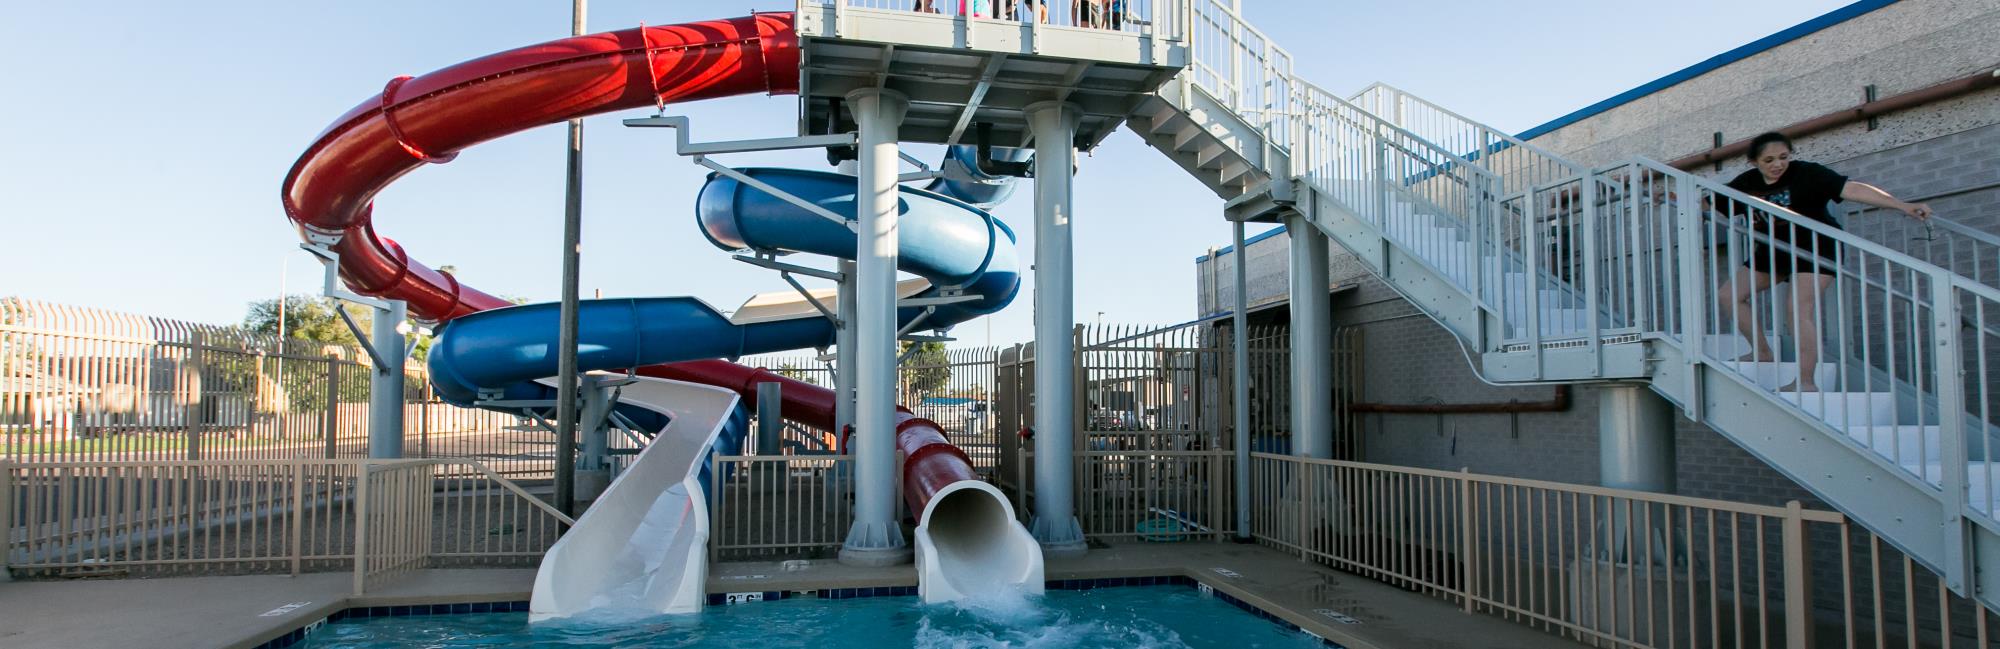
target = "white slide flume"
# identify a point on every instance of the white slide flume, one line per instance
(968, 545)
(643, 545)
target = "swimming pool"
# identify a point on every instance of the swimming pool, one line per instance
(1149, 617)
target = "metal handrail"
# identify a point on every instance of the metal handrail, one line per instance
(1503, 136)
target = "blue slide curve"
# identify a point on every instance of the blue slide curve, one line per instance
(948, 241)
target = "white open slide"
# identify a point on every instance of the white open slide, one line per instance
(643, 545)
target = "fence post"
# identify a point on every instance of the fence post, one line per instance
(192, 418)
(1467, 547)
(1798, 579)
(1299, 468)
(361, 514)
(330, 424)
(298, 514)
(6, 518)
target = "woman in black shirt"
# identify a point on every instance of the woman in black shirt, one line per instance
(1781, 252)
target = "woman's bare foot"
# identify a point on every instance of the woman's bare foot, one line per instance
(1799, 386)
(1756, 357)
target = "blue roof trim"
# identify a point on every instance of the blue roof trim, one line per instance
(1246, 242)
(1793, 33)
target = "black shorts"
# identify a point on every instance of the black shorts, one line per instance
(1818, 254)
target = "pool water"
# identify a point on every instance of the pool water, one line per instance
(1141, 617)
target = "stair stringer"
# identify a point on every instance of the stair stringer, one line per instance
(1874, 493)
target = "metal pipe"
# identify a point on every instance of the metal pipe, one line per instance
(1239, 323)
(566, 337)
(1055, 526)
(1312, 341)
(876, 538)
(1939, 92)
(843, 360)
(1635, 431)
(385, 388)
(770, 419)
(1558, 402)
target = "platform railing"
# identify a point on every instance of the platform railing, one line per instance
(1160, 18)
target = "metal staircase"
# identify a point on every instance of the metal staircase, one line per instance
(1547, 270)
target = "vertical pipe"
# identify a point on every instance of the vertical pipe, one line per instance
(1635, 430)
(843, 361)
(876, 538)
(571, 264)
(385, 388)
(1055, 526)
(770, 421)
(1312, 341)
(1239, 324)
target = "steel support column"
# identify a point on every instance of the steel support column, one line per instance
(1239, 323)
(876, 539)
(1312, 341)
(385, 387)
(1055, 526)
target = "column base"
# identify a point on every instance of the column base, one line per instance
(875, 545)
(1060, 540)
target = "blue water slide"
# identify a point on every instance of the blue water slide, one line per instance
(964, 180)
(953, 244)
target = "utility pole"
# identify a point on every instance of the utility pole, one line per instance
(566, 373)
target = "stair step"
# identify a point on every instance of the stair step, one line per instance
(1904, 444)
(1773, 375)
(1846, 409)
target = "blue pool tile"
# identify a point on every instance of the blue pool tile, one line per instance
(482, 607)
(399, 611)
(459, 609)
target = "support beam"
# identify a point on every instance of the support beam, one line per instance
(1312, 341)
(1055, 526)
(385, 387)
(1239, 382)
(876, 539)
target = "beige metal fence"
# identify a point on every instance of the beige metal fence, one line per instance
(80, 384)
(774, 506)
(378, 519)
(1611, 567)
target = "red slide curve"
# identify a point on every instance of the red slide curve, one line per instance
(329, 192)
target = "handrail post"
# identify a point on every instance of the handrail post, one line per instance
(1587, 211)
(1798, 579)
(1467, 546)
(1950, 390)
(1688, 233)
(1531, 283)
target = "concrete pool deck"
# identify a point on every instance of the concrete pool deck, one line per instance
(247, 611)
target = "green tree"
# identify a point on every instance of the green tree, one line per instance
(926, 371)
(313, 318)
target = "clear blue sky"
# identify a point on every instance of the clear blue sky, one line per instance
(143, 142)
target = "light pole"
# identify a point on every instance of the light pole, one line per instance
(566, 371)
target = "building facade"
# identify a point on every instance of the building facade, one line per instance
(1945, 151)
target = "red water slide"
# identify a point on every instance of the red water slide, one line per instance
(414, 121)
